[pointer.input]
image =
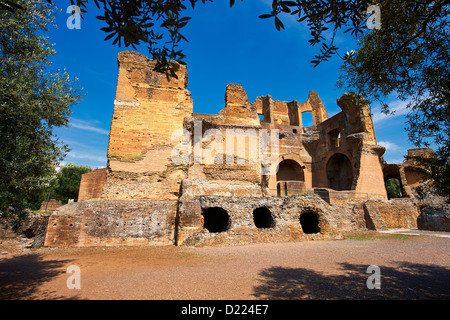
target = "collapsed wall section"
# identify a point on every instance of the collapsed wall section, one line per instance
(91, 184)
(213, 220)
(117, 223)
(148, 112)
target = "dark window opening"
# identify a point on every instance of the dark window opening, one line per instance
(294, 130)
(263, 218)
(216, 219)
(335, 138)
(309, 222)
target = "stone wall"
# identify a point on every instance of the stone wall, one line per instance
(148, 110)
(392, 214)
(436, 218)
(99, 223)
(50, 206)
(286, 214)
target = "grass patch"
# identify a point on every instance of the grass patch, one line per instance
(365, 237)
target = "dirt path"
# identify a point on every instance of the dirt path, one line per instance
(412, 267)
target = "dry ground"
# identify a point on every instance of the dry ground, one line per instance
(412, 267)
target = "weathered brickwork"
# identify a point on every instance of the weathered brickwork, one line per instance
(51, 205)
(253, 172)
(91, 185)
(392, 214)
(94, 223)
(285, 212)
(148, 109)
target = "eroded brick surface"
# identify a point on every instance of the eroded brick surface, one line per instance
(167, 166)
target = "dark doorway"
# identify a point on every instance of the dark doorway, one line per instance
(216, 219)
(309, 222)
(339, 172)
(263, 218)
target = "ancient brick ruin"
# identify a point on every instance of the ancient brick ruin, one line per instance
(250, 173)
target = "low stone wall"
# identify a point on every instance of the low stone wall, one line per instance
(50, 206)
(286, 213)
(435, 218)
(99, 223)
(225, 220)
(341, 197)
(31, 233)
(392, 214)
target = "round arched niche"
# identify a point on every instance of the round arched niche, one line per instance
(290, 170)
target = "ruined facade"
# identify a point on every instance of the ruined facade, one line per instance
(409, 174)
(251, 172)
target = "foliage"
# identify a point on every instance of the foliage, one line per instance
(393, 188)
(409, 57)
(67, 182)
(33, 100)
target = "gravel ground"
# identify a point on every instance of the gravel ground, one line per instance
(411, 267)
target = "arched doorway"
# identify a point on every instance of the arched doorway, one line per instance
(290, 170)
(393, 181)
(339, 172)
(290, 178)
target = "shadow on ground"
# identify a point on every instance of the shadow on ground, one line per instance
(21, 276)
(406, 281)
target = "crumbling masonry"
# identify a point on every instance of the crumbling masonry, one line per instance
(251, 173)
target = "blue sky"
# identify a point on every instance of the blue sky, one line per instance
(226, 45)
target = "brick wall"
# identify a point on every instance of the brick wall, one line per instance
(91, 184)
(148, 109)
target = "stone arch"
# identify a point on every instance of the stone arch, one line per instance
(216, 219)
(339, 172)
